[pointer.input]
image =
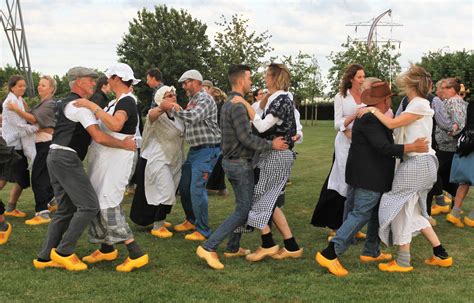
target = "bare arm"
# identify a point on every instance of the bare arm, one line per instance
(104, 139)
(399, 121)
(114, 123)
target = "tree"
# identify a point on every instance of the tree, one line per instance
(6, 73)
(169, 39)
(235, 44)
(306, 82)
(379, 62)
(443, 65)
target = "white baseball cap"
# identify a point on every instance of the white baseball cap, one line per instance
(123, 71)
(191, 75)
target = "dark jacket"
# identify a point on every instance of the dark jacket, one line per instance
(371, 160)
(100, 98)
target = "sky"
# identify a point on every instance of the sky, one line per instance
(62, 34)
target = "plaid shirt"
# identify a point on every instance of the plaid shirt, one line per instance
(456, 109)
(237, 138)
(200, 120)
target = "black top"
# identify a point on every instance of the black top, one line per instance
(466, 140)
(69, 133)
(371, 160)
(100, 98)
(128, 105)
(283, 109)
(237, 138)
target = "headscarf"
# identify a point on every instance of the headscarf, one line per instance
(160, 93)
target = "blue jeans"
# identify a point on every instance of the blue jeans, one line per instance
(366, 210)
(240, 174)
(192, 186)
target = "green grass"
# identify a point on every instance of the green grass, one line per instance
(175, 273)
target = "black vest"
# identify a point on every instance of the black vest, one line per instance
(69, 133)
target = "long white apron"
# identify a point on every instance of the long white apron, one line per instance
(109, 168)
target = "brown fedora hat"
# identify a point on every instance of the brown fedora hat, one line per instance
(377, 93)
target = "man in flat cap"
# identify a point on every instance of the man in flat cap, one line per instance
(77, 201)
(369, 173)
(203, 136)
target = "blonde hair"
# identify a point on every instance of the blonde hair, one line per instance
(52, 83)
(217, 94)
(280, 76)
(453, 82)
(417, 78)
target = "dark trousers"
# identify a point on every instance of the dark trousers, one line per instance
(217, 178)
(435, 191)
(78, 204)
(40, 181)
(141, 212)
(445, 160)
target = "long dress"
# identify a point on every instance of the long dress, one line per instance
(330, 207)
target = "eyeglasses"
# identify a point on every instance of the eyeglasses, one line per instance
(185, 82)
(169, 96)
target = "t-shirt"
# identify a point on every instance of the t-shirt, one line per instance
(128, 105)
(80, 114)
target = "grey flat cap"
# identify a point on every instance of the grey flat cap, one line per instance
(191, 75)
(207, 83)
(79, 72)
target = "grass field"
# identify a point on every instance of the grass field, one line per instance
(175, 274)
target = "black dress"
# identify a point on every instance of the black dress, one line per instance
(329, 210)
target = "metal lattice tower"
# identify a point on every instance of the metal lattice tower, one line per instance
(373, 37)
(12, 21)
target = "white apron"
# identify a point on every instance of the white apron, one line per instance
(109, 168)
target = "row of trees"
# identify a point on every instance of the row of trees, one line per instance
(174, 41)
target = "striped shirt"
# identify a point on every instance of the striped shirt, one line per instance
(200, 120)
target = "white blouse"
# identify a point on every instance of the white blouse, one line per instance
(420, 128)
(343, 108)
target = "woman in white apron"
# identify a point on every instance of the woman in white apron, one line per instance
(109, 170)
(330, 208)
(159, 167)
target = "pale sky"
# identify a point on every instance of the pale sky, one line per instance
(61, 34)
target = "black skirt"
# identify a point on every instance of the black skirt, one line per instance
(141, 212)
(217, 178)
(329, 210)
(18, 172)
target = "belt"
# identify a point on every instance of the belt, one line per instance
(237, 158)
(198, 147)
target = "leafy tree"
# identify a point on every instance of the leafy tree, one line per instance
(306, 82)
(379, 62)
(6, 73)
(166, 38)
(236, 44)
(443, 65)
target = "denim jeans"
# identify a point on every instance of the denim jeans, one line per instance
(192, 186)
(240, 174)
(366, 209)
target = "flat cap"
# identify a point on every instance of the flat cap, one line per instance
(207, 83)
(79, 72)
(191, 75)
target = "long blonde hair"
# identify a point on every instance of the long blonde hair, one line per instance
(415, 77)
